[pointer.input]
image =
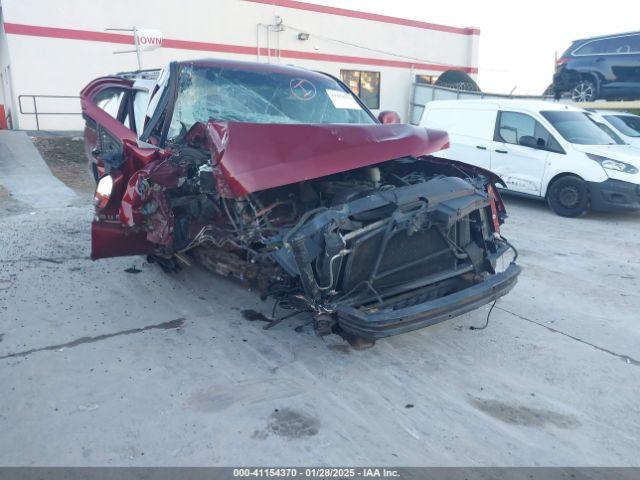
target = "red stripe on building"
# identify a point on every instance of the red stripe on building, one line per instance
(66, 33)
(52, 32)
(343, 12)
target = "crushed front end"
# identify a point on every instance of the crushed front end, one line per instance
(417, 250)
(336, 221)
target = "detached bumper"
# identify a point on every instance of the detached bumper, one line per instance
(387, 322)
(614, 195)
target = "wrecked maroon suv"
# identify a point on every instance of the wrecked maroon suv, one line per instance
(281, 177)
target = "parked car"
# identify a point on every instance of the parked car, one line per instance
(542, 150)
(626, 125)
(282, 178)
(605, 67)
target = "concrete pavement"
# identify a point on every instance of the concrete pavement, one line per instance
(25, 175)
(99, 366)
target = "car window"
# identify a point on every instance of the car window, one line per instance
(591, 48)
(256, 96)
(512, 126)
(140, 103)
(610, 46)
(609, 131)
(627, 124)
(579, 128)
(110, 100)
(618, 45)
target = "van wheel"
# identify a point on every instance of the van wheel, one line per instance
(568, 196)
(586, 90)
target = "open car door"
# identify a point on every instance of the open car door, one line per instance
(114, 155)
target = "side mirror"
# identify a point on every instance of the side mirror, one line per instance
(528, 141)
(389, 116)
(109, 149)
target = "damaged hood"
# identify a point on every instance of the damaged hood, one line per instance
(255, 157)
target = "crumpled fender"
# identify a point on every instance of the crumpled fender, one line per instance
(473, 170)
(144, 200)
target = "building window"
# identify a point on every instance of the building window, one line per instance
(365, 85)
(426, 79)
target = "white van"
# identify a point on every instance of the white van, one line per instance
(626, 125)
(542, 149)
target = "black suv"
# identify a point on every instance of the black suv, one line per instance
(605, 67)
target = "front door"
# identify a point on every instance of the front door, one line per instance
(519, 152)
(114, 153)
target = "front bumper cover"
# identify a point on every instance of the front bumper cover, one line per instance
(387, 322)
(614, 195)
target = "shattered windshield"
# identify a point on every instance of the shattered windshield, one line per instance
(241, 95)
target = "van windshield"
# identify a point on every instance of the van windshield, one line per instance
(627, 124)
(579, 128)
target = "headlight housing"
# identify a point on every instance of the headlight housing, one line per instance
(103, 191)
(611, 164)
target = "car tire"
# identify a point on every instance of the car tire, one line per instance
(568, 196)
(586, 90)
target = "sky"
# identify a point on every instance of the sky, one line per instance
(518, 39)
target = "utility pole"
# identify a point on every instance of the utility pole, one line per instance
(137, 44)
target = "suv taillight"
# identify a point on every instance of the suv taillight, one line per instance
(561, 61)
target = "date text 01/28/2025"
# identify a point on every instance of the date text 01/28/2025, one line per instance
(316, 472)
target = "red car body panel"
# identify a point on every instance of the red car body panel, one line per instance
(254, 157)
(111, 239)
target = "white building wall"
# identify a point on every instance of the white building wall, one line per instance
(6, 96)
(58, 47)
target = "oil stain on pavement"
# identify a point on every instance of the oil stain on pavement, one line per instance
(521, 415)
(289, 424)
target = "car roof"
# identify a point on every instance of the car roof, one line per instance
(144, 84)
(614, 112)
(253, 66)
(525, 105)
(599, 37)
(150, 74)
(154, 74)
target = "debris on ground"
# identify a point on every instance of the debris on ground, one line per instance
(65, 156)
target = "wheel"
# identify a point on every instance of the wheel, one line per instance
(568, 196)
(586, 90)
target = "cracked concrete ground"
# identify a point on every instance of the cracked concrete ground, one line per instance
(103, 367)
